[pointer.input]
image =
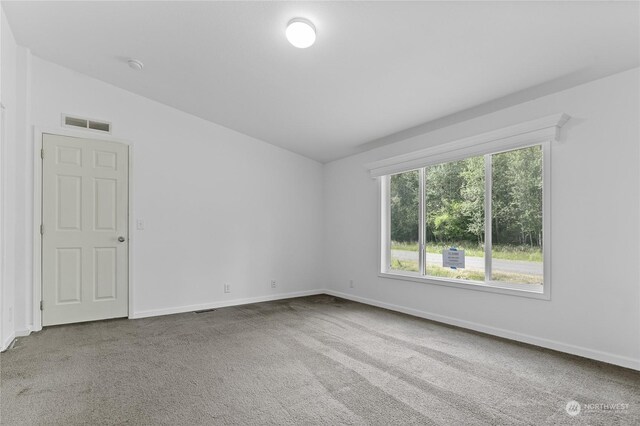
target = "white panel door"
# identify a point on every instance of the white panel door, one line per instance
(85, 230)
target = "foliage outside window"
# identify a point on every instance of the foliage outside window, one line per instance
(490, 206)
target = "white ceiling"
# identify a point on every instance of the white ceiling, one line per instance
(377, 68)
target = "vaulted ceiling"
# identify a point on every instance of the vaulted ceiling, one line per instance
(377, 68)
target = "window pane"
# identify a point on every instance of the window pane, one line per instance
(454, 217)
(517, 216)
(404, 197)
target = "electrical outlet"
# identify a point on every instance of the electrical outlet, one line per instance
(227, 288)
(274, 284)
(351, 284)
(140, 224)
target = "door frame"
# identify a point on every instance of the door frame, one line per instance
(38, 133)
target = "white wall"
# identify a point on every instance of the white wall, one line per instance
(24, 194)
(595, 302)
(8, 240)
(218, 206)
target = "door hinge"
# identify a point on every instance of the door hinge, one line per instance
(41, 305)
(41, 229)
(42, 153)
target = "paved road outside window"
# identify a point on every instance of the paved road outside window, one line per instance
(477, 263)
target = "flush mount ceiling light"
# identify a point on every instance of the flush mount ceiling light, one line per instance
(301, 32)
(135, 64)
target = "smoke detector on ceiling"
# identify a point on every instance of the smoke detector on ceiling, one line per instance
(135, 64)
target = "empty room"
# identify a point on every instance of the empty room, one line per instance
(333, 212)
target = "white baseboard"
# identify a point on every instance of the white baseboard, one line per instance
(500, 332)
(23, 333)
(18, 333)
(223, 304)
(7, 342)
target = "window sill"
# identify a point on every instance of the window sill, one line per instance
(501, 288)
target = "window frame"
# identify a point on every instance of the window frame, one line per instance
(542, 132)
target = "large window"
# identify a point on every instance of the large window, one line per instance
(476, 221)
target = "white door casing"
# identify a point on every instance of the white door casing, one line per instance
(84, 214)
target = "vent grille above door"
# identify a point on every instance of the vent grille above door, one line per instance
(85, 123)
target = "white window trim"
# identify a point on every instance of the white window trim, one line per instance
(541, 132)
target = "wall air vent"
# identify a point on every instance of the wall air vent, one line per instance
(86, 123)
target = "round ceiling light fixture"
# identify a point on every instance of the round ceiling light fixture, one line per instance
(301, 33)
(135, 64)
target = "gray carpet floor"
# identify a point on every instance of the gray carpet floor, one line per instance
(313, 360)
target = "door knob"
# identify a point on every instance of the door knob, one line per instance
(121, 239)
